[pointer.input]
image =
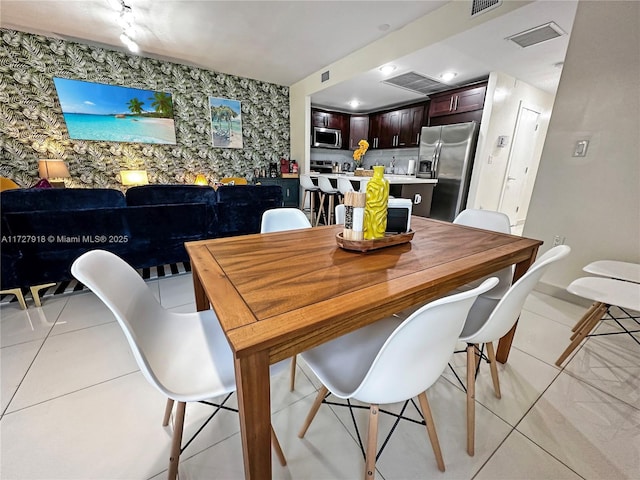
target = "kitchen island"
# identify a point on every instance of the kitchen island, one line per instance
(418, 190)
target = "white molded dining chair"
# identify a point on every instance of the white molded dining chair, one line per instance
(282, 219)
(488, 322)
(185, 356)
(605, 293)
(391, 361)
(497, 222)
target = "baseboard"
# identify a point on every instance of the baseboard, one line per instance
(562, 294)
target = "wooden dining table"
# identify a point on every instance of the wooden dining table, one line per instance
(279, 294)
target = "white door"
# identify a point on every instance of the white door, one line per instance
(517, 186)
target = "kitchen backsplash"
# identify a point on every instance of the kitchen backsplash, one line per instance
(32, 125)
(371, 158)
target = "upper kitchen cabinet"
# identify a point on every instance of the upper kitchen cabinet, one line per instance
(322, 118)
(358, 130)
(461, 100)
(411, 121)
(397, 128)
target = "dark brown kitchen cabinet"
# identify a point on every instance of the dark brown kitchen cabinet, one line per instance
(374, 130)
(411, 120)
(358, 130)
(458, 101)
(397, 128)
(321, 118)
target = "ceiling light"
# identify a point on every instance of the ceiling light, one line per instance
(387, 69)
(448, 76)
(384, 27)
(354, 103)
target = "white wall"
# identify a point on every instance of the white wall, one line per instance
(502, 103)
(593, 201)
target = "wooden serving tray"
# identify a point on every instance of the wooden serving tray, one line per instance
(389, 240)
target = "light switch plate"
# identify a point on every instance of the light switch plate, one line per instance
(581, 148)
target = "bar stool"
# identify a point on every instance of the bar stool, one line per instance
(605, 293)
(307, 184)
(326, 189)
(344, 185)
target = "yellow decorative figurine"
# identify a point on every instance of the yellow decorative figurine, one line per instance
(375, 210)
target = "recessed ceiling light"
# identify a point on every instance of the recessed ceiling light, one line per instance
(387, 69)
(354, 103)
(448, 76)
(384, 27)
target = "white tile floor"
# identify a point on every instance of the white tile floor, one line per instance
(75, 406)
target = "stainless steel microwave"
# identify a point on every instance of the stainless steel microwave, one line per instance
(327, 137)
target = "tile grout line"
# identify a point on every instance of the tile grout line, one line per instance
(4, 411)
(71, 392)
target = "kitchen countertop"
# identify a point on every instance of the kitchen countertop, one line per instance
(393, 179)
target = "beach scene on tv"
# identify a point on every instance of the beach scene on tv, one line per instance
(226, 122)
(96, 111)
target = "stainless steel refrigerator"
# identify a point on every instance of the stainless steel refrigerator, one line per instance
(446, 153)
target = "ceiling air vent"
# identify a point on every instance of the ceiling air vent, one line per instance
(537, 35)
(481, 6)
(417, 82)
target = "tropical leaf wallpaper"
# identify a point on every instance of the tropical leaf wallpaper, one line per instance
(32, 125)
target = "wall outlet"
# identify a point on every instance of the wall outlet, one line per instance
(558, 240)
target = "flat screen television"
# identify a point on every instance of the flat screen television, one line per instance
(96, 111)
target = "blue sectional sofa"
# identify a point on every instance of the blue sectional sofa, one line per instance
(44, 230)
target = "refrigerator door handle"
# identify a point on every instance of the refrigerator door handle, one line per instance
(436, 159)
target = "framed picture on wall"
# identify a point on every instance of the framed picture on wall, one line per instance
(96, 111)
(226, 122)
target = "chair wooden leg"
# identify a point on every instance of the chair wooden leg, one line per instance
(584, 331)
(176, 442)
(292, 379)
(471, 398)
(321, 211)
(331, 209)
(494, 369)
(312, 205)
(431, 429)
(277, 448)
(314, 409)
(167, 412)
(584, 318)
(372, 443)
(477, 356)
(304, 199)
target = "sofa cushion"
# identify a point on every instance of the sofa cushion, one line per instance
(60, 199)
(240, 207)
(49, 241)
(164, 194)
(159, 232)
